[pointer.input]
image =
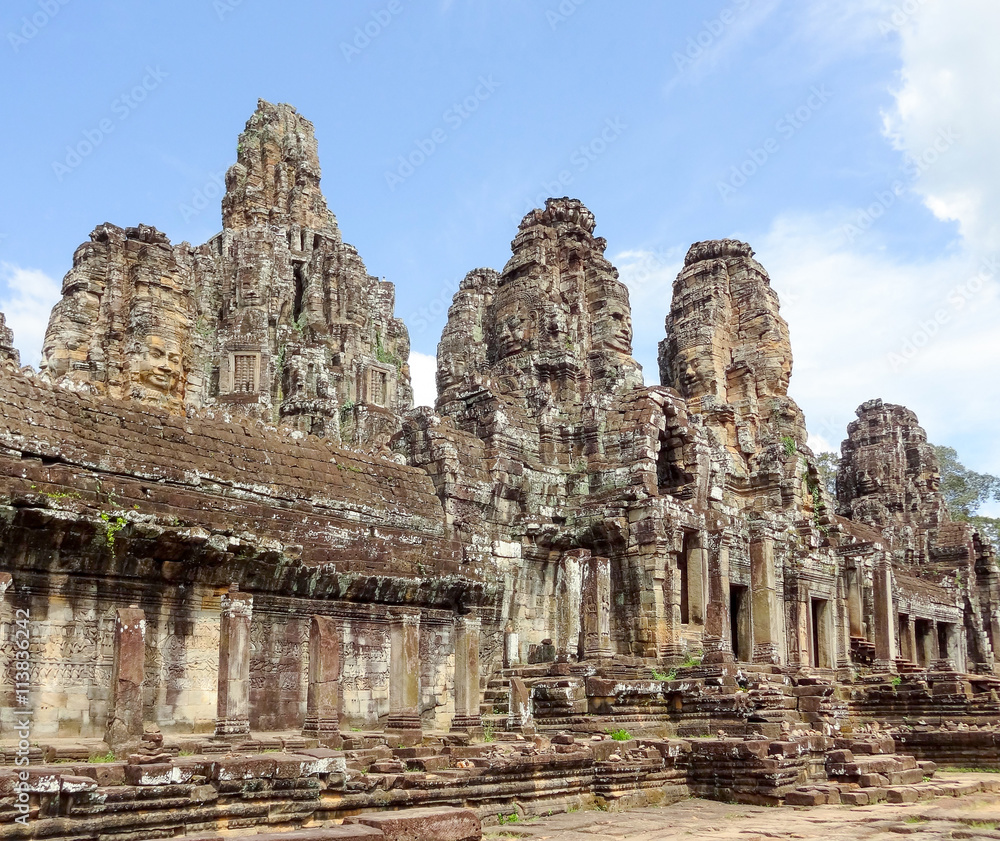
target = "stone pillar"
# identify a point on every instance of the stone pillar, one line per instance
(802, 629)
(569, 595)
(467, 697)
(127, 675)
(596, 608)
(323, 699)
(718, 627)
(511, 646)
(696, 558)
(6, 582)
(233, 717)
(883, 620)
(854, 603)
(404, 676)
(843, 627)
(767, 606)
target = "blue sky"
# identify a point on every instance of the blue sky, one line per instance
(851, 142)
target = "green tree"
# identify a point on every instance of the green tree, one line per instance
(828, 464)
(966, 491)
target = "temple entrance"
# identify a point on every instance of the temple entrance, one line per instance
(739, 623)
(922, 631)
(822, 638)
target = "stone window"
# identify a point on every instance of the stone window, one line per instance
(244, 372)
(378, 390)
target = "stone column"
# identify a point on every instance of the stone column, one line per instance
(718, 642)
(843, 627)
(596, 608)
(883, 620)
(233, 717)
(568, 603)
(467, 697)
(854, 603)
(767, 606)
(6, 582)
(127, 675)
(404, 676)
(697, 562)
(511, 646)
(323, 698)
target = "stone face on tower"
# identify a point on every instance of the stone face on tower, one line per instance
(889, 477)
(275, 318)
(728, 353)
(553, 331)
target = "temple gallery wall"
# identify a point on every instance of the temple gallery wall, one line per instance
(225, 520)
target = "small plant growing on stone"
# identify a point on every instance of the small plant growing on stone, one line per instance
(114, 525)
(620, 735)
(691, 660)
(489, 731)
(658, 675)
(505, 819)
(896, 681)
(789, 444)
(104, 757)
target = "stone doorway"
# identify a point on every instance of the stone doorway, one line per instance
(739, 623)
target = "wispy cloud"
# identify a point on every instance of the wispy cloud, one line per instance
(26, 299)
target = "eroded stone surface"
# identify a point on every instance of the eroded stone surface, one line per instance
(275, 318)
(556, 552)
(8, 353)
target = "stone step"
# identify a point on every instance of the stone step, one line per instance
(333, 833)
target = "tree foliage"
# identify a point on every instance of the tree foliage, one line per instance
(828, 465)
(966, 491)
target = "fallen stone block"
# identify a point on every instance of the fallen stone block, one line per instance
(444, 824)
(811, 797)
(902, 795)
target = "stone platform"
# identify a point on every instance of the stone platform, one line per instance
(974, 814)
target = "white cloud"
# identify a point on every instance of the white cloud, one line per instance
(26, 299)
(422, 375)
(950, 67)
(866, 325)
(863, 324)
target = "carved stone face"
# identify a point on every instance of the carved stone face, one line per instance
(511, 331)
(159, 365)
(694, 374)
(777, 374)
(613, 330)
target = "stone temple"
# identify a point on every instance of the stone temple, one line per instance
(238, 567)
